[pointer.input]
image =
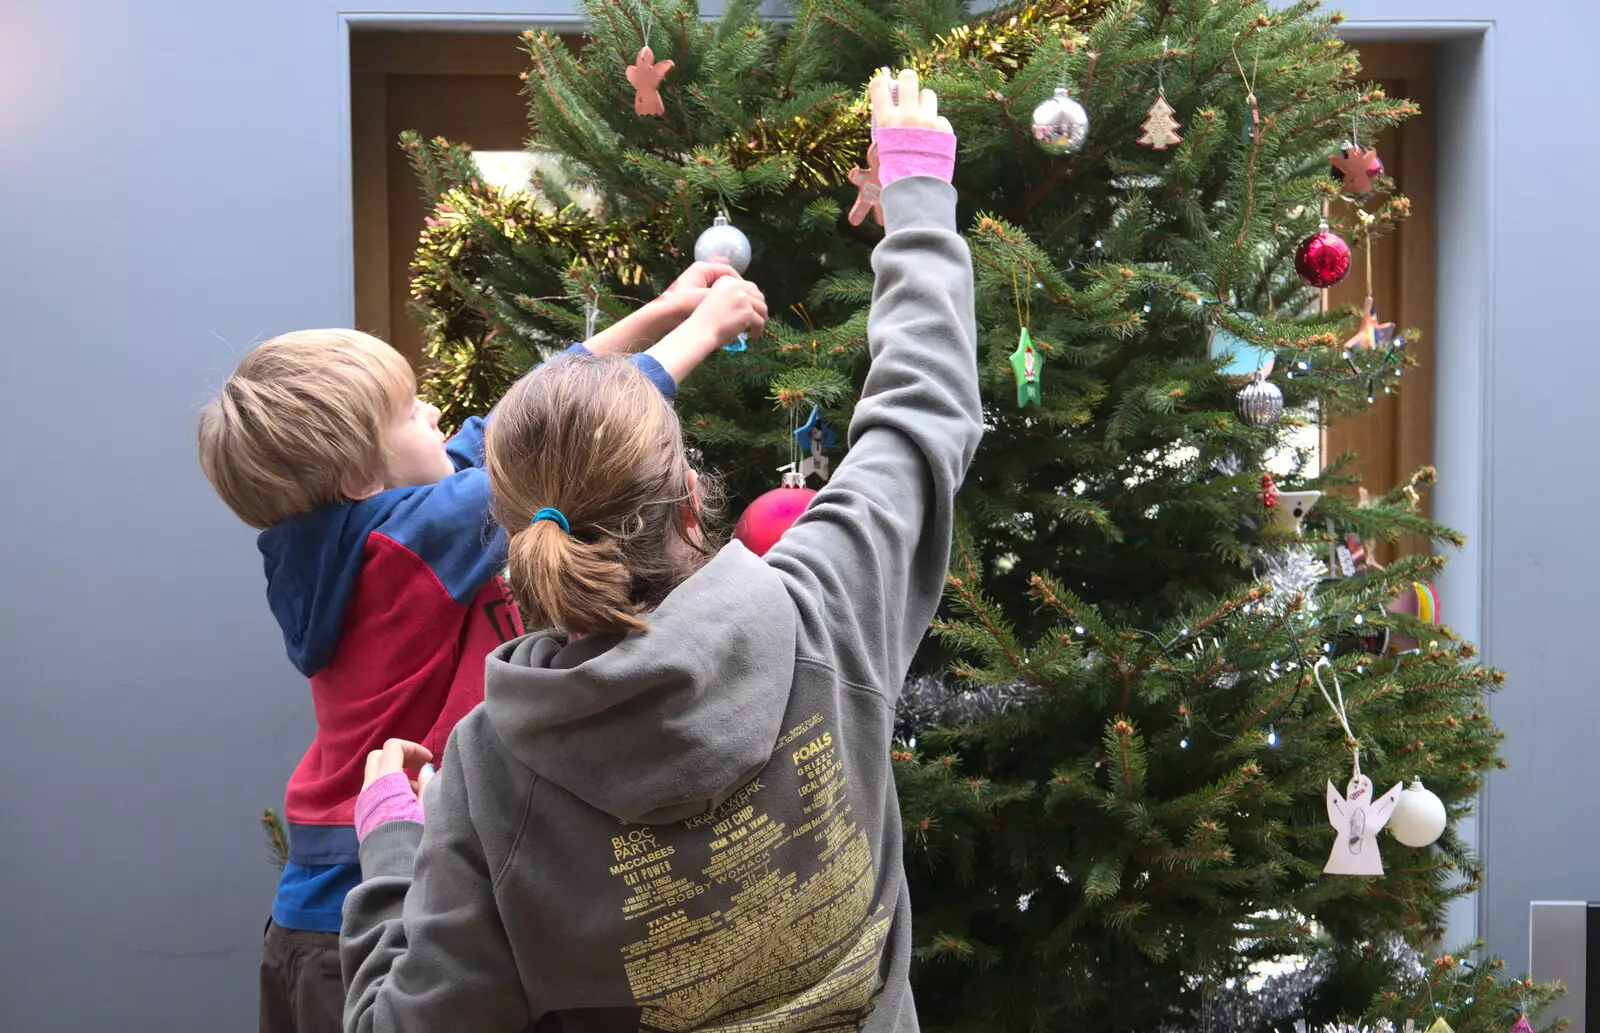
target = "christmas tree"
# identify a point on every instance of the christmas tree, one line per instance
(1119, 759)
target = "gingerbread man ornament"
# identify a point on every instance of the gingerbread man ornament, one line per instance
(646, 74)
(1357, 166)
(869, 189)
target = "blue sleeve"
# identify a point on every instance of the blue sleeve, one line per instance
(648, 365)
(465, 449)
(447, 526)
(657, 373)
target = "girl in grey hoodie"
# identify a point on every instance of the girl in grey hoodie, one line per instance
(674, 811)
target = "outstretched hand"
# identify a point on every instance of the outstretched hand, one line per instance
(910, 106)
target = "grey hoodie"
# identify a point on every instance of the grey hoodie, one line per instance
(695, 827)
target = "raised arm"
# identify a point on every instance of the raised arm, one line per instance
(866, 563)
(652, 321)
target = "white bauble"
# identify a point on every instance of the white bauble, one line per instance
(1419, 818)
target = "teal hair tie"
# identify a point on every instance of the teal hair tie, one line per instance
(555, 515)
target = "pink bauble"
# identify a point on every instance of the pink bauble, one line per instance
(1419, 601)
(765, 520)
(1322, 259)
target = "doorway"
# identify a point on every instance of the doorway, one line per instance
(1395, 436)
(464, 87)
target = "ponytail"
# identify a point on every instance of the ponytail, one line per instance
(561, 582)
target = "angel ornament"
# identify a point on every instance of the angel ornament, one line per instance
(1358, 818)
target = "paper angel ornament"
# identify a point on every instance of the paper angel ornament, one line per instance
(1358, 819)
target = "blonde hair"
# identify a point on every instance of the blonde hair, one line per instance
(300, 414)
(593, 438)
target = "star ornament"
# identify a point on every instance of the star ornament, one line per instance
(869, 188)
(646, 74)
(815, 437)
(1357, 166)
(1370, 334)
(1027, 365)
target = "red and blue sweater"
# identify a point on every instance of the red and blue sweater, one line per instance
(390, 605)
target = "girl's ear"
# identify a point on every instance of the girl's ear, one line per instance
(691, 505)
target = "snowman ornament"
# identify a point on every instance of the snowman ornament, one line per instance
(1358, 818)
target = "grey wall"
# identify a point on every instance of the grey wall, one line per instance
(176, 186)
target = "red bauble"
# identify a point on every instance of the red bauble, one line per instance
(763, 523)
(1323, 259)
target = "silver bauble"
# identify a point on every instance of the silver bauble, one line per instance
(724, 242)
(1260, 402)
(1060, 125)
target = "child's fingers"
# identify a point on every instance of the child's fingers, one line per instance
(878, 92)
(423, 779)
(400, 755)
(758, 310)
(714, 271)
(908, 88)
(930, 104)
(944, 123)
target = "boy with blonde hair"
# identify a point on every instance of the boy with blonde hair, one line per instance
(383, 572)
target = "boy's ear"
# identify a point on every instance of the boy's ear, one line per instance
(355, 489)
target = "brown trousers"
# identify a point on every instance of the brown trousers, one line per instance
(302, 989)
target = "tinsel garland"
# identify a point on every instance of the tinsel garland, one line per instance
(934, 700)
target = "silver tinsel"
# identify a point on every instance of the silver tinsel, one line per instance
(1274, 1004)
(931, 701)
(1290, 572)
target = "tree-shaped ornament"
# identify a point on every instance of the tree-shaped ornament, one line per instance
(1160, 128)
(869, 188)
(646, 74)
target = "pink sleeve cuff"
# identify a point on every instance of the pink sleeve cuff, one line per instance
(910, 151)
(388, 799)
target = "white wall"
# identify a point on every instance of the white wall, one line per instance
(176, 186)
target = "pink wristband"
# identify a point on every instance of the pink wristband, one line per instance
(387, 799)
(912, 151)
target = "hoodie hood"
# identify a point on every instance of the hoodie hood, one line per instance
(312, 562)
(660, 725)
